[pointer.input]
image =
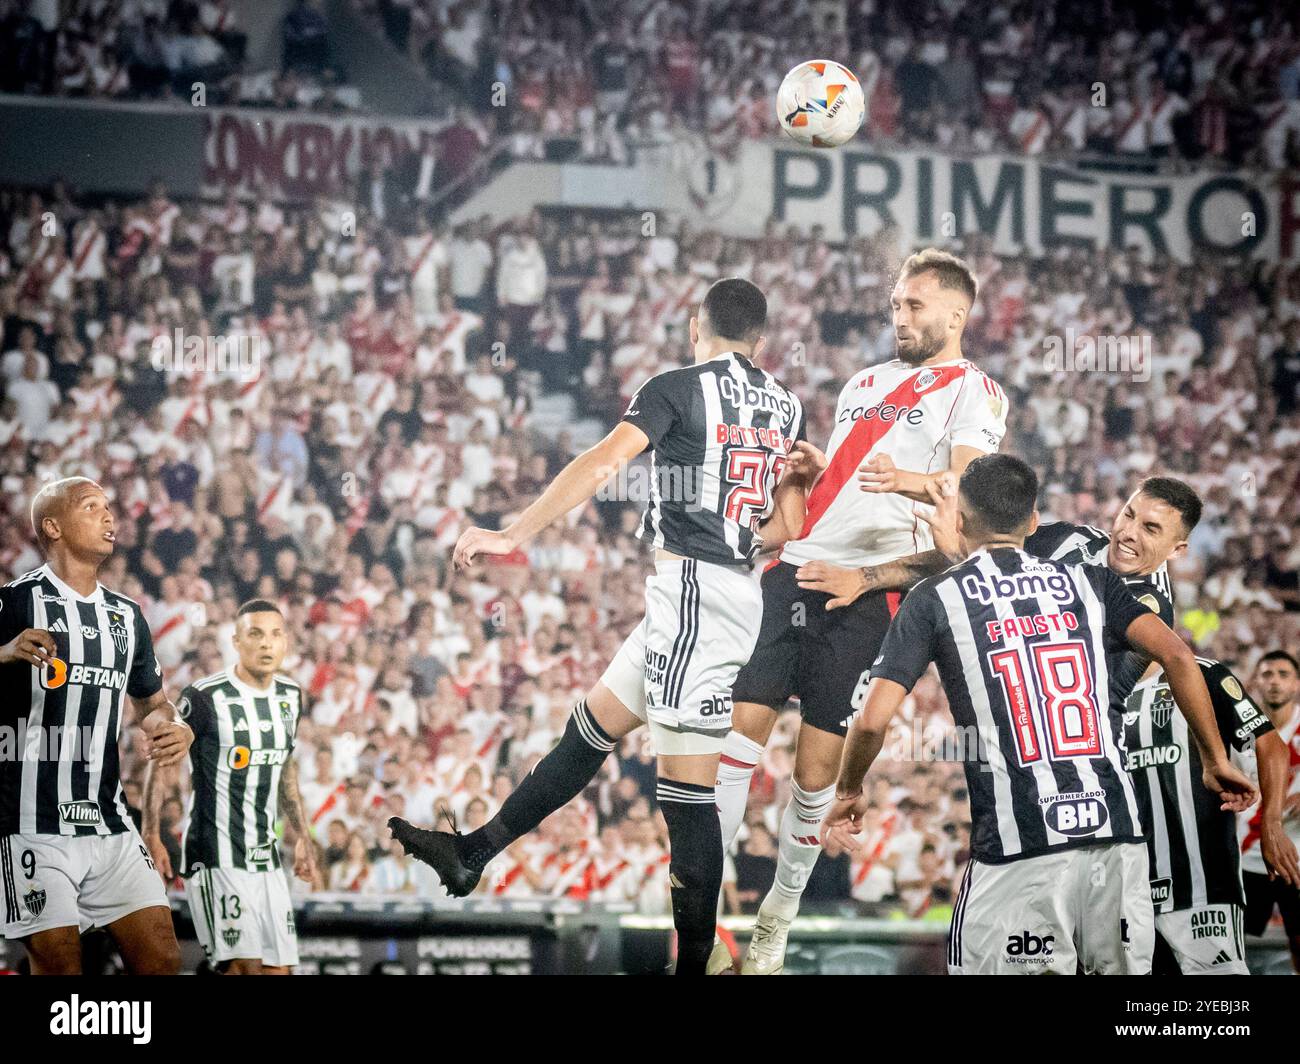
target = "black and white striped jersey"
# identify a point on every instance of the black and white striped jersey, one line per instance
(720, 432)
(1085, 545)
(1192, 843)
(243, 738)
(1020, 647)
(61, 774)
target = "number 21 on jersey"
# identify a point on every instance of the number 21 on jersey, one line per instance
(748, 499)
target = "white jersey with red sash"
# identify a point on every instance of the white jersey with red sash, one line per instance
(915, 415)
(1249, 822)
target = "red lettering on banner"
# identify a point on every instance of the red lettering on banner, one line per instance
(301, 158)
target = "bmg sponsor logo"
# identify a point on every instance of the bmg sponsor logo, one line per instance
(1024, 585)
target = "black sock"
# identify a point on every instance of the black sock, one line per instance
(556, 779)
(694, 869)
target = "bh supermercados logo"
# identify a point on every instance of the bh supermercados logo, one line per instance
(35, 902)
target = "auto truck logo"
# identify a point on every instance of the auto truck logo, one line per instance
(79, 812)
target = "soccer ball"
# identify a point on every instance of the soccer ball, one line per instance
(820, 103)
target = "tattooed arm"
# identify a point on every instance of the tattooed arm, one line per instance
(304, 853)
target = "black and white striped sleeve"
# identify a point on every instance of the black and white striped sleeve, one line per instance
(11, 613)
(145, 679)
(194, 707)
(909, 644)
(1117, 598)
(653, 409)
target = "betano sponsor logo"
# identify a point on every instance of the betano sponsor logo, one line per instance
(1153, 757)
(241, 757)
(58, 672)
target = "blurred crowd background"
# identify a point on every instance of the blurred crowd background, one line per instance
(392, 381)
(1184, 81)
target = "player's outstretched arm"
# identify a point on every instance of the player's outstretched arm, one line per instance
(846, 586)
(1273, 758)
(575, 484)
(878, 474)
(1151, 636)
(169, 736)
(804, 465)
(862, 746)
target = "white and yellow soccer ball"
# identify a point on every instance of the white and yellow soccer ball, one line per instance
(820, 103)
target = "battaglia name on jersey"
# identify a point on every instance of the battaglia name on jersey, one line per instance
(1023, 585)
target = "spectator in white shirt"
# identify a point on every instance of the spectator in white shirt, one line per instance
(34, 397)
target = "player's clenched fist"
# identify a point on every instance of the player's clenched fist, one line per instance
(845, 816)
(806, 461)
(1233, 788)
(169, 742)
(475, 541)
(34, 646)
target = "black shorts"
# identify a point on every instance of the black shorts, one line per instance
(817, 656)
(1262, 894)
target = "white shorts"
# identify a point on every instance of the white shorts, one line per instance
(80, 881)
(1088, 907)
(243, 915)
(1206, 939)
(676, 669)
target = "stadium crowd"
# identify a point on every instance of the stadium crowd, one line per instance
(378, 391)
(1182, 79)
(160, 49)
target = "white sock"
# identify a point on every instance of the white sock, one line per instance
(798, 847)
(740, 756)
